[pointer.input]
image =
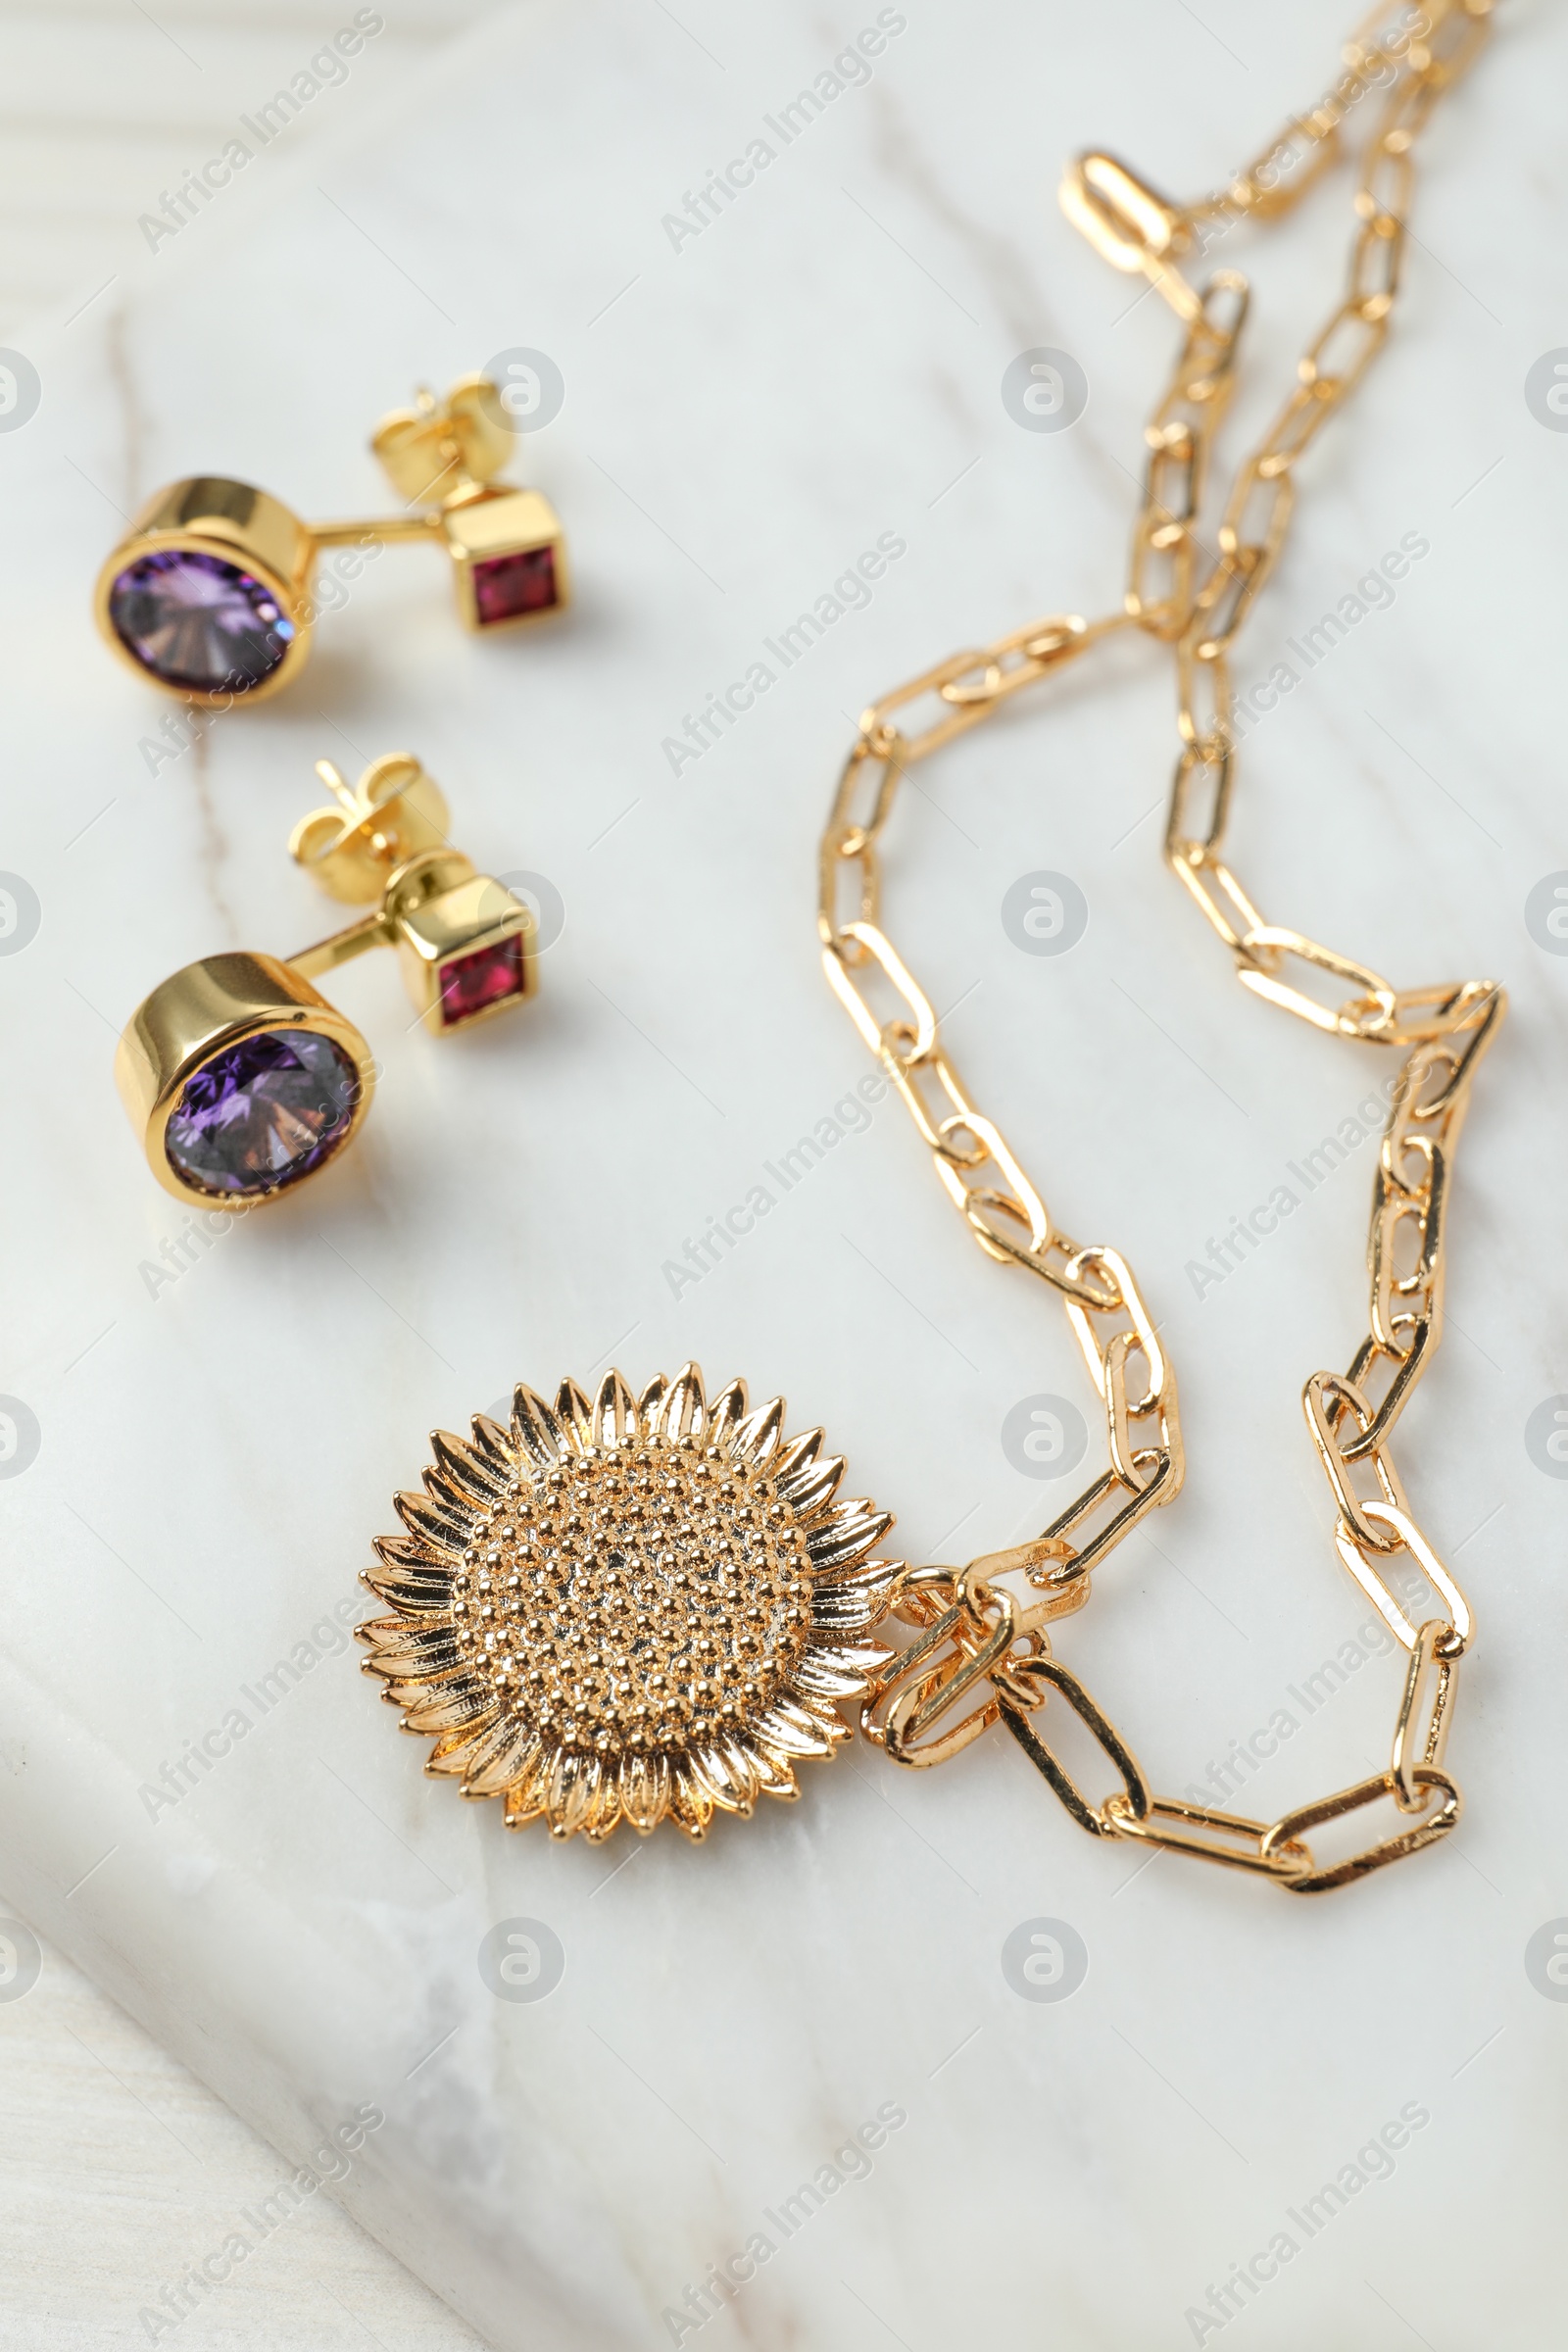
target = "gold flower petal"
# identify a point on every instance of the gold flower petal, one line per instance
(449, 1706)
(604, 1810)
(453, 1750)
(818, 1709)
(416, 1589)
(538, 1431)
(573, 1787)
(500, 1758)
(812, 1487)
(381, 1629)
(775, 1774)
(615, 1415)
(846, 1604)
(757, 1437)
(745, 1766)
(402, 1662)
(447, 1495)
(850, 1657)
(797, 1456)
(846, 1534)
(410, 1596)
(442, 1530)
(725, 1414)
(465, 1750)
(493, 1445)
(812, 1708)
(643, 1790)
(575, 1415)
(691, 1806)
(427, 1610)
(817, 1503)
(649, 1403)
(525, 1802)
(684, 1412)
(789, 1731)
(405, 1659)
(412, 1554)
(465, 1468)
(816, 1675)
(728, 1780)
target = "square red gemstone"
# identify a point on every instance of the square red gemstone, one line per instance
(469, 984)
(505, 586)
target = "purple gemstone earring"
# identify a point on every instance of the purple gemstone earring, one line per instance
(212, 594)
(239, 1076)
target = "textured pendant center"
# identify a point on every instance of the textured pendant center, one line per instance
(636, 1599)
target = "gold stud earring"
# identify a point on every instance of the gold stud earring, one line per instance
(239, 1076)
(209, 596)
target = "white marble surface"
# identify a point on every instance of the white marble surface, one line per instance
(102, 2134)
(120, 2168)
(108, 106)
(745, 416)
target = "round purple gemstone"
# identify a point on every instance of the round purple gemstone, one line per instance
(199, 623)
(263, 1115)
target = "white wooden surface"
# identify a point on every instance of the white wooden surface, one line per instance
(116, 2164)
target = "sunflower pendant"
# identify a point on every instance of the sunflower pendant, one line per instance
(629, 1607)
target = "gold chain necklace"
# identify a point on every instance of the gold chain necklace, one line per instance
(986, 1624)
(646, 1607)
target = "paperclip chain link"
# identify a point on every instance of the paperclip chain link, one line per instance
(981, 1639)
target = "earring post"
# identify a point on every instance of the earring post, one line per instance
(388, 530)
(337, 785)
(375, 930)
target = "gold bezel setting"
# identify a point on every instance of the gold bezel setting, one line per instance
(203, 1012)
(230, 523)
(446, 915)
(496, 527)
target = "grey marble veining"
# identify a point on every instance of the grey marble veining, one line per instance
(748, 411)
